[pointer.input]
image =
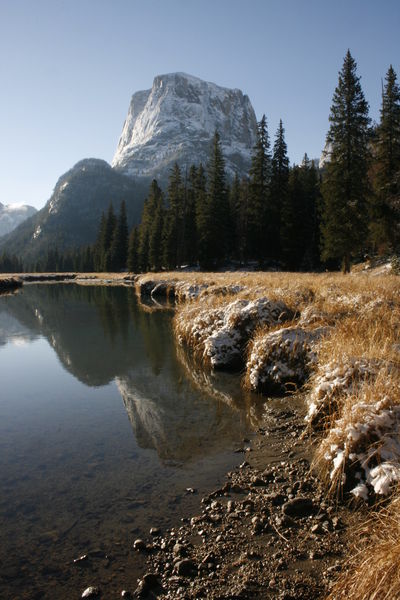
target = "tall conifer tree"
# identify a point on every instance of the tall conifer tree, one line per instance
(345, 187)
(259, 216)
(174, 220)
(279, 189)
(155, 235)
(133, 250)
(386, 173)
(149, 209)
(119, 243)
(218, 204)
(203, 219)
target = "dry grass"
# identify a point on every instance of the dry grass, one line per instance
(363, 434)
(373, 571)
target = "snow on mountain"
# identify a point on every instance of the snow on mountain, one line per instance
(12, 215)
(175, 121)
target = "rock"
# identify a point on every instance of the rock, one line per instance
(126, 594)
(151, 580)
(148, 583)
(179, 550)
(275, 498)
(299, 507)
(155, 531)
(91, 592)
(139, 545)
(186, 567)
(257, 481)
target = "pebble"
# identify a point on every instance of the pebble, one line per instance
(298, 507)
(91, 592)
(186, 567)
(81, 559)
(139, 545)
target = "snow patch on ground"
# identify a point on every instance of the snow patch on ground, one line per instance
(186, 292)
(220, 334)
(367, 439)
(283, 360)
(334, 379)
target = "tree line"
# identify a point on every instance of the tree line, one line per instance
(282, 217)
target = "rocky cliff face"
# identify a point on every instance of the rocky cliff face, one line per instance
(12, 215)
(175, 121)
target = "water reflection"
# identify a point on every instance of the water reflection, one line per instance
(101, 334)
(73, 478)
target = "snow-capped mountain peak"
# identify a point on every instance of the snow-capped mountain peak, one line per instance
(11, 215)
(175, 121)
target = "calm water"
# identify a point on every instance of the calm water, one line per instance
(104, 423)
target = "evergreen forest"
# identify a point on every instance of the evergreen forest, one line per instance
(297, 218)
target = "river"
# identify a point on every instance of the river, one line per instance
(106, 430)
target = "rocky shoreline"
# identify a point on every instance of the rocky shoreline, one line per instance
(266, 533)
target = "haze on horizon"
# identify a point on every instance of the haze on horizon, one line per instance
(69, 70)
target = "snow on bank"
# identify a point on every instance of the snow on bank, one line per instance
(334, 380)
(218, 335)
(282, 360)
(365, 443)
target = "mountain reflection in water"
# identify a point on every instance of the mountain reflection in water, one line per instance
(73, 478)
(101, 334)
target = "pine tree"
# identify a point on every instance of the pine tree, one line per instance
(386, 177)
(217, 205)
(279, 190)
(174, 219)
(292, 230)
(133, 248)
(105, 234)
(99, 244)
(190, 229)
(156, 235)
(149, 208)
(119, 242)
(345, 187)
(239, 200)
(203, 219)
(312, 216)
(259, 213)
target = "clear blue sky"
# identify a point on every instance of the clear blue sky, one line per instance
(68, 69)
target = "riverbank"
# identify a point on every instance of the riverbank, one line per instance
(337, 338)
(265, 533)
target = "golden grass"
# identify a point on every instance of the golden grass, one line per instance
(359, 411)
(373, 571)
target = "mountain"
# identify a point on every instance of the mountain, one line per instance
(12, 215)
(175, 121)
(71, 216)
